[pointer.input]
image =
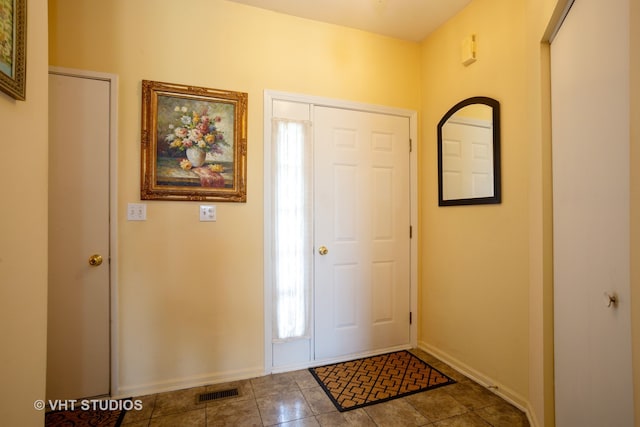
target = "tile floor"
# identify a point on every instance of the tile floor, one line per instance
(296, 399)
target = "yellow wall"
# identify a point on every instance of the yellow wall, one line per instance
(474, 299)
(23, 235)
(191, 293)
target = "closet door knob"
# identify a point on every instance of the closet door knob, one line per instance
(612, 299)
(322, 250)
(95, 260)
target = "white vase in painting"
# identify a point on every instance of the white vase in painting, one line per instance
(196, 156)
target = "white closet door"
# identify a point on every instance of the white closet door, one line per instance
(78, 340)
(590, 95)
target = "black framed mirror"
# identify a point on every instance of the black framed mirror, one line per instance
(469, 153)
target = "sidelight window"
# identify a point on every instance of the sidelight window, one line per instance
(292, 228)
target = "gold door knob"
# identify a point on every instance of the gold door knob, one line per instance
(95, 260)
(322, 250)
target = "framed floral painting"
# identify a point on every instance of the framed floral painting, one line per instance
(13, 54)
(194, 143)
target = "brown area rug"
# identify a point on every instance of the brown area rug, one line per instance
(377, 379)
(84, 418)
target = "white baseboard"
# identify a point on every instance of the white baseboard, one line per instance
(490, 384)
(183, 383)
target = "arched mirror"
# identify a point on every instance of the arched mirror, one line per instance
(469, 153)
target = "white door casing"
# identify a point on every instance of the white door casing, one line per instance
(590, 148)
(303, 353)
(82, 135)
(361, 284)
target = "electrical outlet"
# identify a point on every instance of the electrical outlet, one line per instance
(136, 212)
(207, 213)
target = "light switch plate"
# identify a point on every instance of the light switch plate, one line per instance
(136, 212)
(207, 213)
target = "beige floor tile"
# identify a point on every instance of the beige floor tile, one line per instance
(355, 418)
(148, 403)
(273, 384)
(195, 418)
(304, 379)
(305, 422)
(177, 401)
(436, 404)
(395, 413)
(503, 415)
(318, 400)
(234, 413)
(466, 420)
(282, 408)
(472, 395)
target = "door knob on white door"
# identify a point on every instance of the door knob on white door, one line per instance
(322, 250)
(95, 260)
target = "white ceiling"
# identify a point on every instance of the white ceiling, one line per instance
(411, 20)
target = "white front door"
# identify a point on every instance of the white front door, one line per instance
(78, 351)
(362, 226)
(591, 202)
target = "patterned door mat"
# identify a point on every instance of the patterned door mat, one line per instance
(377, 379)
(84, 418)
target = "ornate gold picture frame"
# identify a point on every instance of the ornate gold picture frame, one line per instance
(194, 143)
(13, 53)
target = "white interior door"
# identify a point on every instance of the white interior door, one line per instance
(362, 218)
(590, 103)
(78, 351)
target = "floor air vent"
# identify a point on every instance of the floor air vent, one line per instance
(217, 395)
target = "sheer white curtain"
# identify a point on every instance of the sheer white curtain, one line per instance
(292, 228)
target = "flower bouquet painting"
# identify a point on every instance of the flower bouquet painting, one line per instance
(193, 143)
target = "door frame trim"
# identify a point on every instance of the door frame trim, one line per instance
(112, 79)
(269, 97)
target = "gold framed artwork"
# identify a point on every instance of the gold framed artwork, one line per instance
(194, 143)
(13, 54)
